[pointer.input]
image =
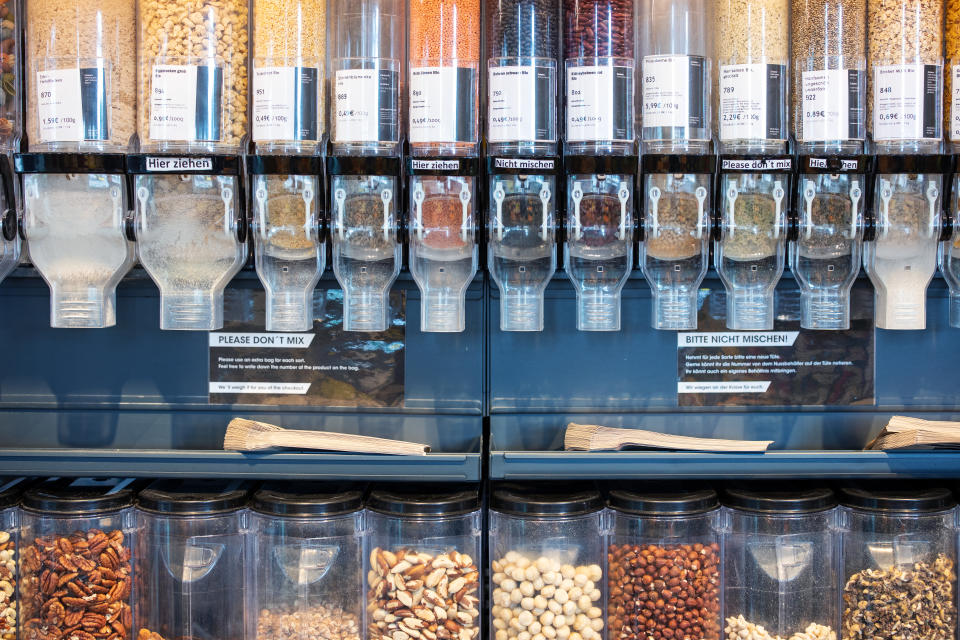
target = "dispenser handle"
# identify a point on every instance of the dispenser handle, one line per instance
(465, 203)
(654, 195)
(418, 197)
(308, 224)
(340, 196)
(732, 194)
(886, 193)
(624, 196)
(933, 192)
(386, 196)
(498, 196)
(116, 194)
(778, 194)
(809, 193)
(545, 200)
(143, 195)
(577, 195)
(701, 195)
(226, 194)
(855, 194)
(261, 195)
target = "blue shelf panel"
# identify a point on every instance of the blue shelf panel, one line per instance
(229, 464)
(534, 465)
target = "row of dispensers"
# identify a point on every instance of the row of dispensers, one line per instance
(190, 221)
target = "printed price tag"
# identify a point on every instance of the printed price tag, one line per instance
(673, 91)
(832, 105)
(185, 102)
(366, 105)
(751, 98)
(599, 103)
(441, 104)
(905, 102)
(72, 105)
(285, 103)
(519, 103)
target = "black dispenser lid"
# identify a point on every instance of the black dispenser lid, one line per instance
(545, 500)
(194, 497)
(303, 499)
(899, 498)
(11, 490)
(663, 499)
(80, 496)
(776, 498)
(424, 500)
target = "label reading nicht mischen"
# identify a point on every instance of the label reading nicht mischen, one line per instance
(905, 100)
(832, 105)
(519, 105)
(285, 103)
(366, 105)
(72, 105)
(673, 92)
(751, 102)
(441, 104)
(599, 103)
(185, 102)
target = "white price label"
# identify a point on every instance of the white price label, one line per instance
(173, 102)
(599, 100)
(745, 93)
(285, 103)
(358, 99)
(513, 104)
(666, 91)
(59, 106)
(955, 105)
(433, 104)
(904, 102)
(831, 105)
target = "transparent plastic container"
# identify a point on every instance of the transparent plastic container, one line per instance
(599, 59)
(675, 250)
(187, 240)
(11, 124)
(366, 253)
(366, 53)
(950, 257)
(305, 575)
(522, 53)
(752, 39)
(443, 248)
(193, 76)
(673, 526)
(676, 42)
(546, 546)
(899, 546)
(521, 246)
(780, 557)
(951, 112)
(902, 258)
(88, 528)
(9, 252)
(289, 71)
(11, 489)
(75, 227)
(906, 75)
(289, 254)
(750, 254)
(81, 69)
(422, 549)
(825, 258)
(830, 75)
(599, 247)
(444, 75)
(191, 558)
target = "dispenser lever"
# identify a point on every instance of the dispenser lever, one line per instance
(778, 194)
(498, 196)
(226, 194)
(307, 194)
(933, 192)
(886, 193)
(418, 197)
(701, 195)
(340, 196)
(117, 196)
(545, 200)
(143, 194)
(732, 194)
(577, 196)
(624, 196)
(261, 195)
(654, 195)
(809, 193)
(465, 203)
(386, 196)
(855, 194)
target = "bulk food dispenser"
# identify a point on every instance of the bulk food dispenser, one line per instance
(81, 112)
(906, 82)
(364, 164)
(677, 164)
(191, 560)
(189, 207)
(600, 164)
(949, 256)
(443, 80)
(753, 194)
(522, 162)
(829, 106)
(11, 85)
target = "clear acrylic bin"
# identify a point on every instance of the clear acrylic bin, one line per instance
(950, 256)
(11, 490)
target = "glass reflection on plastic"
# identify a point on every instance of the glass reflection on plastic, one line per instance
(366, 253)
(675, 250)
(950, 258)
(9, 249)
(902, 258)
(443, 249)
(75, 227)
(187, 238)
(289, 255)
(599, 248)
(750, 253)
(825, 258)
(521, 252)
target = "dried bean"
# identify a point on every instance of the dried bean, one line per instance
(522, 28)
(598, 28)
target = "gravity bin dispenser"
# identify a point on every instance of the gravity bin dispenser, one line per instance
(826, 253)
(901, 259)
(751, 237)
(442, 230)
(366, 234)
(191, 233)
(75, 211)
(600, 235)
(289, 238)
(521, 236)
(677, 197)
(950, 247)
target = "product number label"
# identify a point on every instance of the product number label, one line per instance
(441, 104)
(599, 103)
(905, 101)
(751, 102)
(832, 105)
(185, 102)
(519, 106)
(285, 103)
(955, 105)
(366, 105)
(72, 105)
(673, 91)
